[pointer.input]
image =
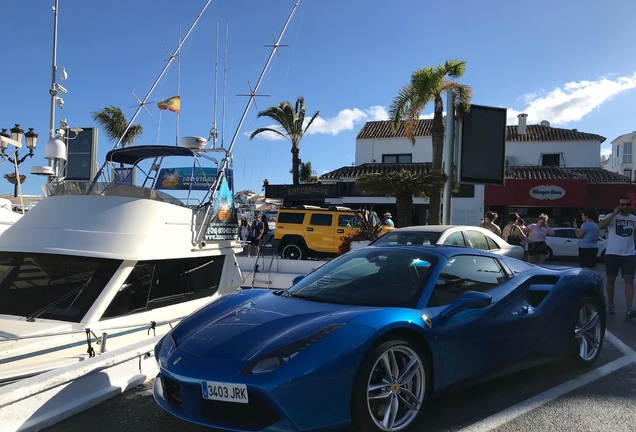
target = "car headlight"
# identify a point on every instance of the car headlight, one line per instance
(282, 355)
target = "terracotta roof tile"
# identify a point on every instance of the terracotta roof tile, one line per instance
(590, 175)
(353, 172)
(384, 129)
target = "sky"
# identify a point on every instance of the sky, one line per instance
(569, 62)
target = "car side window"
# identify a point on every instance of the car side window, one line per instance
(477, 240)
(455, 239)
(492, 245)
(321, 219)
(466, 273)
(348, 221)
(291, 218)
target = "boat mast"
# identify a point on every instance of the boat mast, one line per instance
(224, 162)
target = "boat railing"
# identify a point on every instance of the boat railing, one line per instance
(82, 187)
(150, 325)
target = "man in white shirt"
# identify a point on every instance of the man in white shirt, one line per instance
(620, 253)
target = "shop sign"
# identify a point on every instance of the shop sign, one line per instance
(547, 192)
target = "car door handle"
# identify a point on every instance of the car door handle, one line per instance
(310, 229)
(340, 231)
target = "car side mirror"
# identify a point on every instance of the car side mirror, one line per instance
(468, 300)
(297, 279)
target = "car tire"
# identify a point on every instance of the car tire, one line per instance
(586, 332)
(550, 254)
(293, 251)
(401, 389)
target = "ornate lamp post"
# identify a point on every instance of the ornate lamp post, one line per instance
(16, 136)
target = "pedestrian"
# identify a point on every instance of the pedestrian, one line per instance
(488, 222)
(620, 253)
(387, 220)
(257, 233)
(244, 232)
(588, 238)
(512, 233)
(536, 234)
(265, 235)
(522, 224)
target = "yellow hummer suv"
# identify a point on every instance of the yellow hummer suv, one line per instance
(313, 231)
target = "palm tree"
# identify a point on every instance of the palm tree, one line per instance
(427, 85)
(291, 121)
(113, 120)
(306, 173)
(403, 185)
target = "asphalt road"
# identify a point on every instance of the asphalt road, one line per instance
(552, 397)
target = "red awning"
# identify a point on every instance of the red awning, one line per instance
(556, 193)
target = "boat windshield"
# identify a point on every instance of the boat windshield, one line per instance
(57, 287)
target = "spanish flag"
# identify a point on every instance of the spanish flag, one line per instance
(173, 104)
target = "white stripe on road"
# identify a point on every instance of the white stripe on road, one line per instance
(537, 401)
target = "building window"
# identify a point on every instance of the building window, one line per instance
(615, 159)
(397, 158)
(551, 159)
(627, 173)
(627, 152)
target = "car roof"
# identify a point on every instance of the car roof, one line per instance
(447, 251)
(436, 228)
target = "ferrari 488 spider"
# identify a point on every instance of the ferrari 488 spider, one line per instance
(364, 340)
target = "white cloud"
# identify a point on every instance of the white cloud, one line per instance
(560, 106)
(345, 120)
(573, 101)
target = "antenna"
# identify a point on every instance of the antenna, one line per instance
(224, 87)
(176, 138)
(213, 135)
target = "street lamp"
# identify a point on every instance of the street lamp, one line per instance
(17, 133)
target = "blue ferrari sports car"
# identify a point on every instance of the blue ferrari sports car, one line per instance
(364, 340)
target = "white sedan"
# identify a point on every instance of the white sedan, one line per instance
(564, 243)
(454, 235)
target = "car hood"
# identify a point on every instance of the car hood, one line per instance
(244, 324)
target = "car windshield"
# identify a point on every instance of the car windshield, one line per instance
(408, 238)
(369, 277)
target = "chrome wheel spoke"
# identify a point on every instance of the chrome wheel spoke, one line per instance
(390, 414)
(409, 370)
(407, 400)
(587, 333)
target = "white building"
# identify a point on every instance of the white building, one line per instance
(563, 160)
(621, 159)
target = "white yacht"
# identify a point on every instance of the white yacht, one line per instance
(99, 265)
(7, 216)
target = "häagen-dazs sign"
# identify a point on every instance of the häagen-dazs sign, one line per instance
(547, 192)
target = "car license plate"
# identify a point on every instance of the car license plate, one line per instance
(224, 391)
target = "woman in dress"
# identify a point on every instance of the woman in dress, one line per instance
(536, 234)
